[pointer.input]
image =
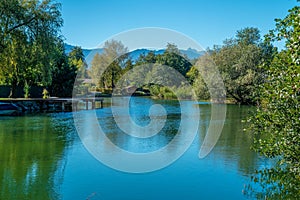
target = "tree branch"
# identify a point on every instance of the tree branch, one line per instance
(19, 25)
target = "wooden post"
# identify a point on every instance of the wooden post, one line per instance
(76, 105)
(93, 104)
(86, 104)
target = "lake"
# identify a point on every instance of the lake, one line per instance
(42, 157)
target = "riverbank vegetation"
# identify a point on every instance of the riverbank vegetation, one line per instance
(276, 125)
(239, 62)
(115, 63)
(254, 72)
(32, 54)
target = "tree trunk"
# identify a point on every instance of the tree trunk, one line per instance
(12, 93)
(13, 90)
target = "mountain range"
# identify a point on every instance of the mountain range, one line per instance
(90, 53)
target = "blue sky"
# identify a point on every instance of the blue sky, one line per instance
(87, 23)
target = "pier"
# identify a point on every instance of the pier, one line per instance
(48, 104)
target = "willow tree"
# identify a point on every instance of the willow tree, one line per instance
(30, 31)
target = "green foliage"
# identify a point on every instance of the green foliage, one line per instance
(64, 72)
(128, 66)
(201, 89)
(26, 90)
(173, 58)
(151, 72)
(146, 59)
(45, 93)
(208, 78)
(238, 61)
(192, 74)
(109, 67)
(76, 59)
(29, 34)
(106, 68)
(277, 122)
(248, 36)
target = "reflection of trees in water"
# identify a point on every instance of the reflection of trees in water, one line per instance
(233, 144)
(139, 113)
(32, 157)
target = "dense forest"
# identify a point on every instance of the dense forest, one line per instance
(254, 72)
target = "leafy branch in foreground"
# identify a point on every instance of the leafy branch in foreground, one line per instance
(276, 125)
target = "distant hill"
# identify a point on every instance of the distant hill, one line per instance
(90, 53)
(86, 52)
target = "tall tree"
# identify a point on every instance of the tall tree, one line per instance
(97, 69)
(107, 67)
(239, 61)
(146, 59)
(76, 58)
(64, 71)
(248, 36)
(173, 58)
(29, 34)
(276, 124)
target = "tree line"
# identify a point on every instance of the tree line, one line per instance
(32, 54)
(115, 61)
(239, 61)
(254, 72)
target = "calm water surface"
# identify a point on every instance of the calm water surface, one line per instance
(42, 157)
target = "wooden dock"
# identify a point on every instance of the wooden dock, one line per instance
(46, 104)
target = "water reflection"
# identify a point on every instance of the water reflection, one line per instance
(139, 112)
(32, 156)
(233, 147)
(41, 157)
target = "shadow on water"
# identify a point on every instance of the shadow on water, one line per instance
(33, 155)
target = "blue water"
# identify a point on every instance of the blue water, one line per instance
(43, 158)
